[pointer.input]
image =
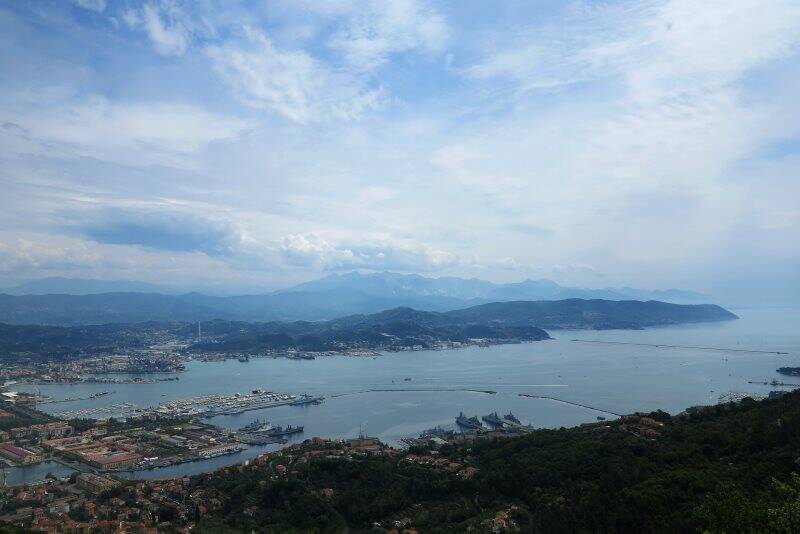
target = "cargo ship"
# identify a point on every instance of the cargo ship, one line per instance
(468, 422)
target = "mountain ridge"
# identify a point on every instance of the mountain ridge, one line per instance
(393, 329)
(322, 299)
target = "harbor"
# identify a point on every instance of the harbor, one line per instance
(612, 378)
(203, 406)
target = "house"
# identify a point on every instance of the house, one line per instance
(95, 483)
(18, 454)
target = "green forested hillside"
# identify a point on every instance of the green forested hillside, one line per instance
(728, 468)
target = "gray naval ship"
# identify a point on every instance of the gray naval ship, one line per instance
(468, 422)
(493, 419)
(256, 426)
(512, 418)
(306, 399)
(280, 431)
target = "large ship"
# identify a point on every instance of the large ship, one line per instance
(512, 418)
(280, 431)
(493, 419)
(468, 422)
(306, 399)
(257, 426)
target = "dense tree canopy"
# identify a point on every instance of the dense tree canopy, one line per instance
(727, 468)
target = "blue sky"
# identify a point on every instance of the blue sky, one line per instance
(251, 145)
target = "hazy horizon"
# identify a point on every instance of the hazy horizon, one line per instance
(235, 145)
(324, 276)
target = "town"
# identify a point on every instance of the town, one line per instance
(167, 434)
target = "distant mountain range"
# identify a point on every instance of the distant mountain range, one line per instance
(396, 285)
(61, 301)
(398, 328)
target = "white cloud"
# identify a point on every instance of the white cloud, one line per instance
(651, 108)
(311, 250)
(170, 38)
(659, 48)
(374, 30)
(507, 263)
(290, 83)
(268, 70)
(92, 5)
(170, 26)
(139, 133)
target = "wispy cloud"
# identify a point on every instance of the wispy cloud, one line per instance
(92, 5)
(659, 48)
(288, 79)
(373, 30)
(171, 26)
(131, 132)
(290, 83)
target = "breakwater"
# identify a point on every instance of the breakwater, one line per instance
(426, 390)
(570, 402)
(662, 346)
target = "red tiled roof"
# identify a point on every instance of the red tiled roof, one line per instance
(112, 458)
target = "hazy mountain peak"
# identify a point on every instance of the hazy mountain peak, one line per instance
(386, 284)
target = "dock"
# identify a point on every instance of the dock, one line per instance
(258, 439)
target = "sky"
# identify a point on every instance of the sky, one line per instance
(250, 145)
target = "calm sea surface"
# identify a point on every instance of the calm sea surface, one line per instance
(614, 378)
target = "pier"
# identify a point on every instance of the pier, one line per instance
(205, 406)
(256, 439)
(519, 427)
(73, 399)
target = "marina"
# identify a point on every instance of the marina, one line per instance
(208, 406)
(204, 406)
